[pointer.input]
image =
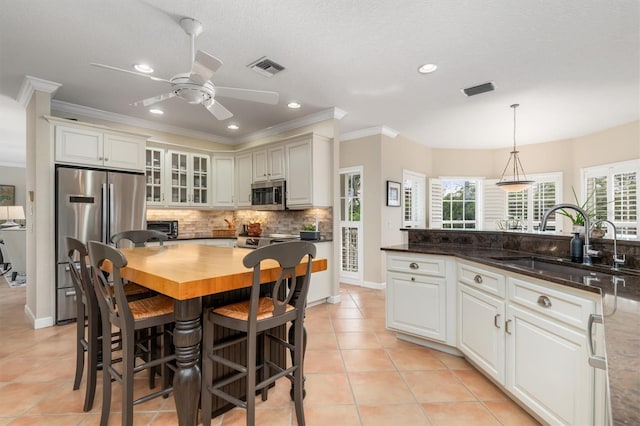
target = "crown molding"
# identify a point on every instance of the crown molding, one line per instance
(31, 84)
(61, 106)
(370, 131)
(327, 114)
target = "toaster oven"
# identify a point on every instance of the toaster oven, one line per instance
(169, 227)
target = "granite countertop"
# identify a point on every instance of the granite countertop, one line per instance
(621, 309)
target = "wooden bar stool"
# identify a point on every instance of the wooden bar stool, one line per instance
(254, 319)
(88, 323)
(139, 237)
(128, 317)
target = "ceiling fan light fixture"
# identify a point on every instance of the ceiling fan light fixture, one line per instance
(427, 68)
(294, 105)
(143, 68)
(233, 126)
(519, 180)
(156, 111)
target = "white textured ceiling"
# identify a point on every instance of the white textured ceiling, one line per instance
(573, 65)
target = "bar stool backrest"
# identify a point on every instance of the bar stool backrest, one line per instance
(139, 237)
(289, 255)
(111, 296)
(77, 255)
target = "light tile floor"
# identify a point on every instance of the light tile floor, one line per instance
(357, 373)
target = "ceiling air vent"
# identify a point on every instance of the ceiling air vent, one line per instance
(266, 67)
(482, 88)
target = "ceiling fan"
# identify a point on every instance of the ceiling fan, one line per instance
(196, 86)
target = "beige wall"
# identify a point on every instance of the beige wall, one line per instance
(384, 158)
(15, 176)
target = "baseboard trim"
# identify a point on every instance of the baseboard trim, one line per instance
(429, 344)
(37, 323)
(333, 299)
(375, 286)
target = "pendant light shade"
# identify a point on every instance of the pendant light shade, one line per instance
(519, 180)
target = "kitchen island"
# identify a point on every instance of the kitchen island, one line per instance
(187, 273)
(620, 300)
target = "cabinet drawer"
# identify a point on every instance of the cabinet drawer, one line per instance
(562, 306)
(417, 265)
(482, 279)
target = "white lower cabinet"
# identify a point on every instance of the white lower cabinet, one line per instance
(417, 299)
(481, 331)
(548, 369)
(530, 336)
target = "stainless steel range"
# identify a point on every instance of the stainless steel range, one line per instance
(263, 240)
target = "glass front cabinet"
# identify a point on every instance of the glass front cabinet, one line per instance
(154, 173)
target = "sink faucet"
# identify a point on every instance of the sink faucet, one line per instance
(587, 226)
(617, 260)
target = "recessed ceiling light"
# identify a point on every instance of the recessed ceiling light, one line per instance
(294, 105)
(143, 68)
(156, 111)
(233, 127)
(427, 68)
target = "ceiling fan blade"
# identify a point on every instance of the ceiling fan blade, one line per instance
(154, 100)
(218, 111)
(248, 95)
(204, 66)
(109, 67)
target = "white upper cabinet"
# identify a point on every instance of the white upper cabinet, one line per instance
(308, 170)
(94, 146)
(268, 164)
(154, 171)
(223, 188)
(189, 178)
(244, 178)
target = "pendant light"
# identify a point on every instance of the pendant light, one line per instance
(519, 180)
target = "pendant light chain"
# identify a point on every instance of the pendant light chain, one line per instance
(516, 184)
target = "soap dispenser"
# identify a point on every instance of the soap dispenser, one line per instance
(576, 248)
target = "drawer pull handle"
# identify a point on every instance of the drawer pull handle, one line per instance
(495, 320)
(414, 265)
(596, 361)
(544, 302)
(506, 327)
(478, 279)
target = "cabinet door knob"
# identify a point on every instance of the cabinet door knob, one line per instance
(478, 279)
(106, 158)
(414, 265)
(413, 278)
(544, 301)
(496, 318)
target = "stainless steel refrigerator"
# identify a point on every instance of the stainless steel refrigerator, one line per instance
(92, 205)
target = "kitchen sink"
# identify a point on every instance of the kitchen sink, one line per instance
(557, 269)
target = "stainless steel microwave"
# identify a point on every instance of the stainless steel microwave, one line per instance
(169, 227)
(269, 195)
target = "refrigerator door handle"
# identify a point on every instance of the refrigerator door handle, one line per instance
(105, 215)
(112, 213)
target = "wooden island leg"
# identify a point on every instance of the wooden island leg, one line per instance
(187, 336)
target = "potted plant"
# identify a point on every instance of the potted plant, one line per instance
(576, 218)
(309, 233)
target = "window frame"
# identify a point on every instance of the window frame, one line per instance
(417, 209)
(479, 202)
(531, 223)
(608, 171)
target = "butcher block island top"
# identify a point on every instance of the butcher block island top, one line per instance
(186, 271)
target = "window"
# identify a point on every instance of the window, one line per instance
(455, 203)
(351, 226)
(527, 207)
(413, 200)
(612, 193)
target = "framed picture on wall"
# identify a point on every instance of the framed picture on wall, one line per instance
(393, 193)
(7, 195)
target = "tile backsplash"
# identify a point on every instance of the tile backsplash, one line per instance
(200, 223)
